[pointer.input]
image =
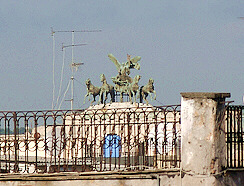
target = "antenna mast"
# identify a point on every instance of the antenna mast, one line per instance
(73, 64)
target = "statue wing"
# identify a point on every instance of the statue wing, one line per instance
(134, 63)
(115, 61)
(135, 59)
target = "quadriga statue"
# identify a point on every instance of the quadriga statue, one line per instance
(124, 84)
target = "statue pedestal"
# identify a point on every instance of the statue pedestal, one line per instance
(117, 105)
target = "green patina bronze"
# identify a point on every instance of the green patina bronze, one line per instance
(133, 88)
(148, 89)
(105, 90)
(123, 80)
(124, 84)
(91, 90)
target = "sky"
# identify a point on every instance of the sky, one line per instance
(185, 46)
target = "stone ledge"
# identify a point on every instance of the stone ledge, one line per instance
(110, 175)
(208, 95)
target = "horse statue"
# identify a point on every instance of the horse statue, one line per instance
(91, 90)
(133, 88)
(147, 89)
(105, 90)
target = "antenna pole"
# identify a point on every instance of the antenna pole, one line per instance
(73, 43)
(53, 67)
(72, 92)
(72, 77)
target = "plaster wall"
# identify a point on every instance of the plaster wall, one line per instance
(202, 136)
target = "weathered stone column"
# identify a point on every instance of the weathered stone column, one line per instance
(203, 134)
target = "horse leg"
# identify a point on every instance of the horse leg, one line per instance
(150, 94)
(144, 96)
(112, 95)
(130, 95)
(138, 94)
(85, 98)
(100, 97)
(88, 94)
(134, 95)
(154, 94)
(94, 99)
(105, 98)
(121, 97)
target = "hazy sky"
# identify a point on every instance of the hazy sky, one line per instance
(185, 46)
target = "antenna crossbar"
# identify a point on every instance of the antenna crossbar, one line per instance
(66, 46)
(76, 31)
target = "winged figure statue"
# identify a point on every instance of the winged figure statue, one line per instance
(124, 68)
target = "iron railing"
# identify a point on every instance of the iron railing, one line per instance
(96, 139)
(235, 136)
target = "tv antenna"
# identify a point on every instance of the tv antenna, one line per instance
(73, 65)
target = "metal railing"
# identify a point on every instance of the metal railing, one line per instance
(235, 136)
(95, 139)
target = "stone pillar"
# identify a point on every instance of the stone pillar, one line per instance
(203, 134)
